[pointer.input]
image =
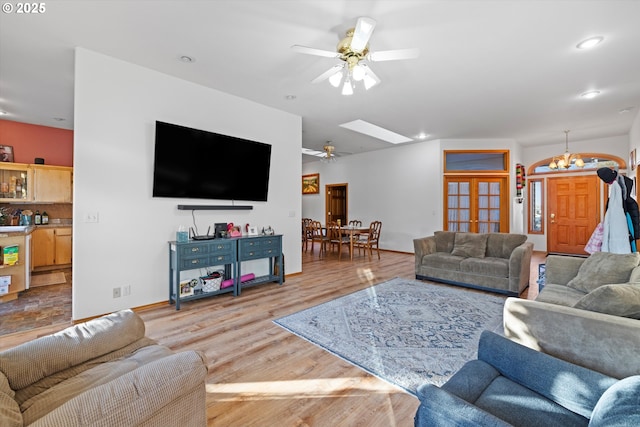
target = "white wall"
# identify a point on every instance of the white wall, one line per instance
(116, 106)
(634, 135)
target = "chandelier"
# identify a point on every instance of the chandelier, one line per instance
(565, 160)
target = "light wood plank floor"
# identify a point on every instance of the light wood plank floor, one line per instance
(262, 375)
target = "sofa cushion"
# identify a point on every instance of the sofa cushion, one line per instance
(603, 268)
(442, 260)
(470, 245)
(501, 245)
(559, 295)
(496, 267)
(619, 406)
(444, 240)
(618, 299)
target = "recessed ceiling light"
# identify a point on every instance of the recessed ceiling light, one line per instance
(422, 135)
(590, 94)
(3, 113)
(187, 59)
(625, 110)
(375, 131)
(590, 42)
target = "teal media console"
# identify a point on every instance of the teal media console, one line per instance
(227, 255)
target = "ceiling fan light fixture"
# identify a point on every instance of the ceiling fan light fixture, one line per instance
(369, 82)
(358, 73)
(335, 79)
(347, 89)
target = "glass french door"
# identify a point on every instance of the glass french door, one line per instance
(476, 204)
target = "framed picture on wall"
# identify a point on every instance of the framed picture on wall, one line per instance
(311, 183)
(6, 153)
(632, 159)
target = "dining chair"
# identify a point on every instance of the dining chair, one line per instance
(371, 239)
(306, 233)
(355, 223)
(319, 235)
(337, 238)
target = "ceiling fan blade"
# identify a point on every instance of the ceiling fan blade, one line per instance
(330, 72)
(392, 55)
(314, 51)
(362, 34)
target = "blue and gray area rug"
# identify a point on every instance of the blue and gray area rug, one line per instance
(405, 332)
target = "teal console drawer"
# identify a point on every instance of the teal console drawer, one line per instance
(222, 258)
(193, 250)
(193, 262)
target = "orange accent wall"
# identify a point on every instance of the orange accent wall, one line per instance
(54, 145)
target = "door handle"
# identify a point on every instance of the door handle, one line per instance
(553, 218)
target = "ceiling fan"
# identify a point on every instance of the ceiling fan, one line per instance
(353, 51)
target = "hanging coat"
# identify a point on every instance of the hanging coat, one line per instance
(631, 208)
(616, 232)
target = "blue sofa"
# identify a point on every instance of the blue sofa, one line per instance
(512, 385)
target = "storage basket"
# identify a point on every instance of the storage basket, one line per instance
(212, 281)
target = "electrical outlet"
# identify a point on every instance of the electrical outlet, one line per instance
(126, 291)
(116, 292)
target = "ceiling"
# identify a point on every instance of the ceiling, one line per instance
(487, 69)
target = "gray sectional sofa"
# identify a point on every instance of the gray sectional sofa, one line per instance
(498, 262)
(588, 313)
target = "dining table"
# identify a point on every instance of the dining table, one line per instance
(352, 231)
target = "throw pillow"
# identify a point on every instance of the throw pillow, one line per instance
(619, 300)
(618, 406)
(470, 245)
(603, 268)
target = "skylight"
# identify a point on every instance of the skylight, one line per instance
(375, 131)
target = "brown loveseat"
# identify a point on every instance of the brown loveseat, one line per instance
(103, 372)
(498, 262)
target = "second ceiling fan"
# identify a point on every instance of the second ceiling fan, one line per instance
(353, 51)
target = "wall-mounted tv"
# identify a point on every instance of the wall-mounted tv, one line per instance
(196, 164)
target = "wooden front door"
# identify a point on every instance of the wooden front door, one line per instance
(336, 203)
(573, 213)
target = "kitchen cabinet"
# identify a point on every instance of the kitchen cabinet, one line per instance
(51, 246)
(15, 182)
(19, 272)
(52, 184)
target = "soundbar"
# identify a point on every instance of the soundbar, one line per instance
(214, 207)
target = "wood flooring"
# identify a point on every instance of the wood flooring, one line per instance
(262, 375)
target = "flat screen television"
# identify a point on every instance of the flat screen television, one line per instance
(196, 164)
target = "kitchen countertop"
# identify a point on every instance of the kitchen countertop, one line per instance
(12, 230)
